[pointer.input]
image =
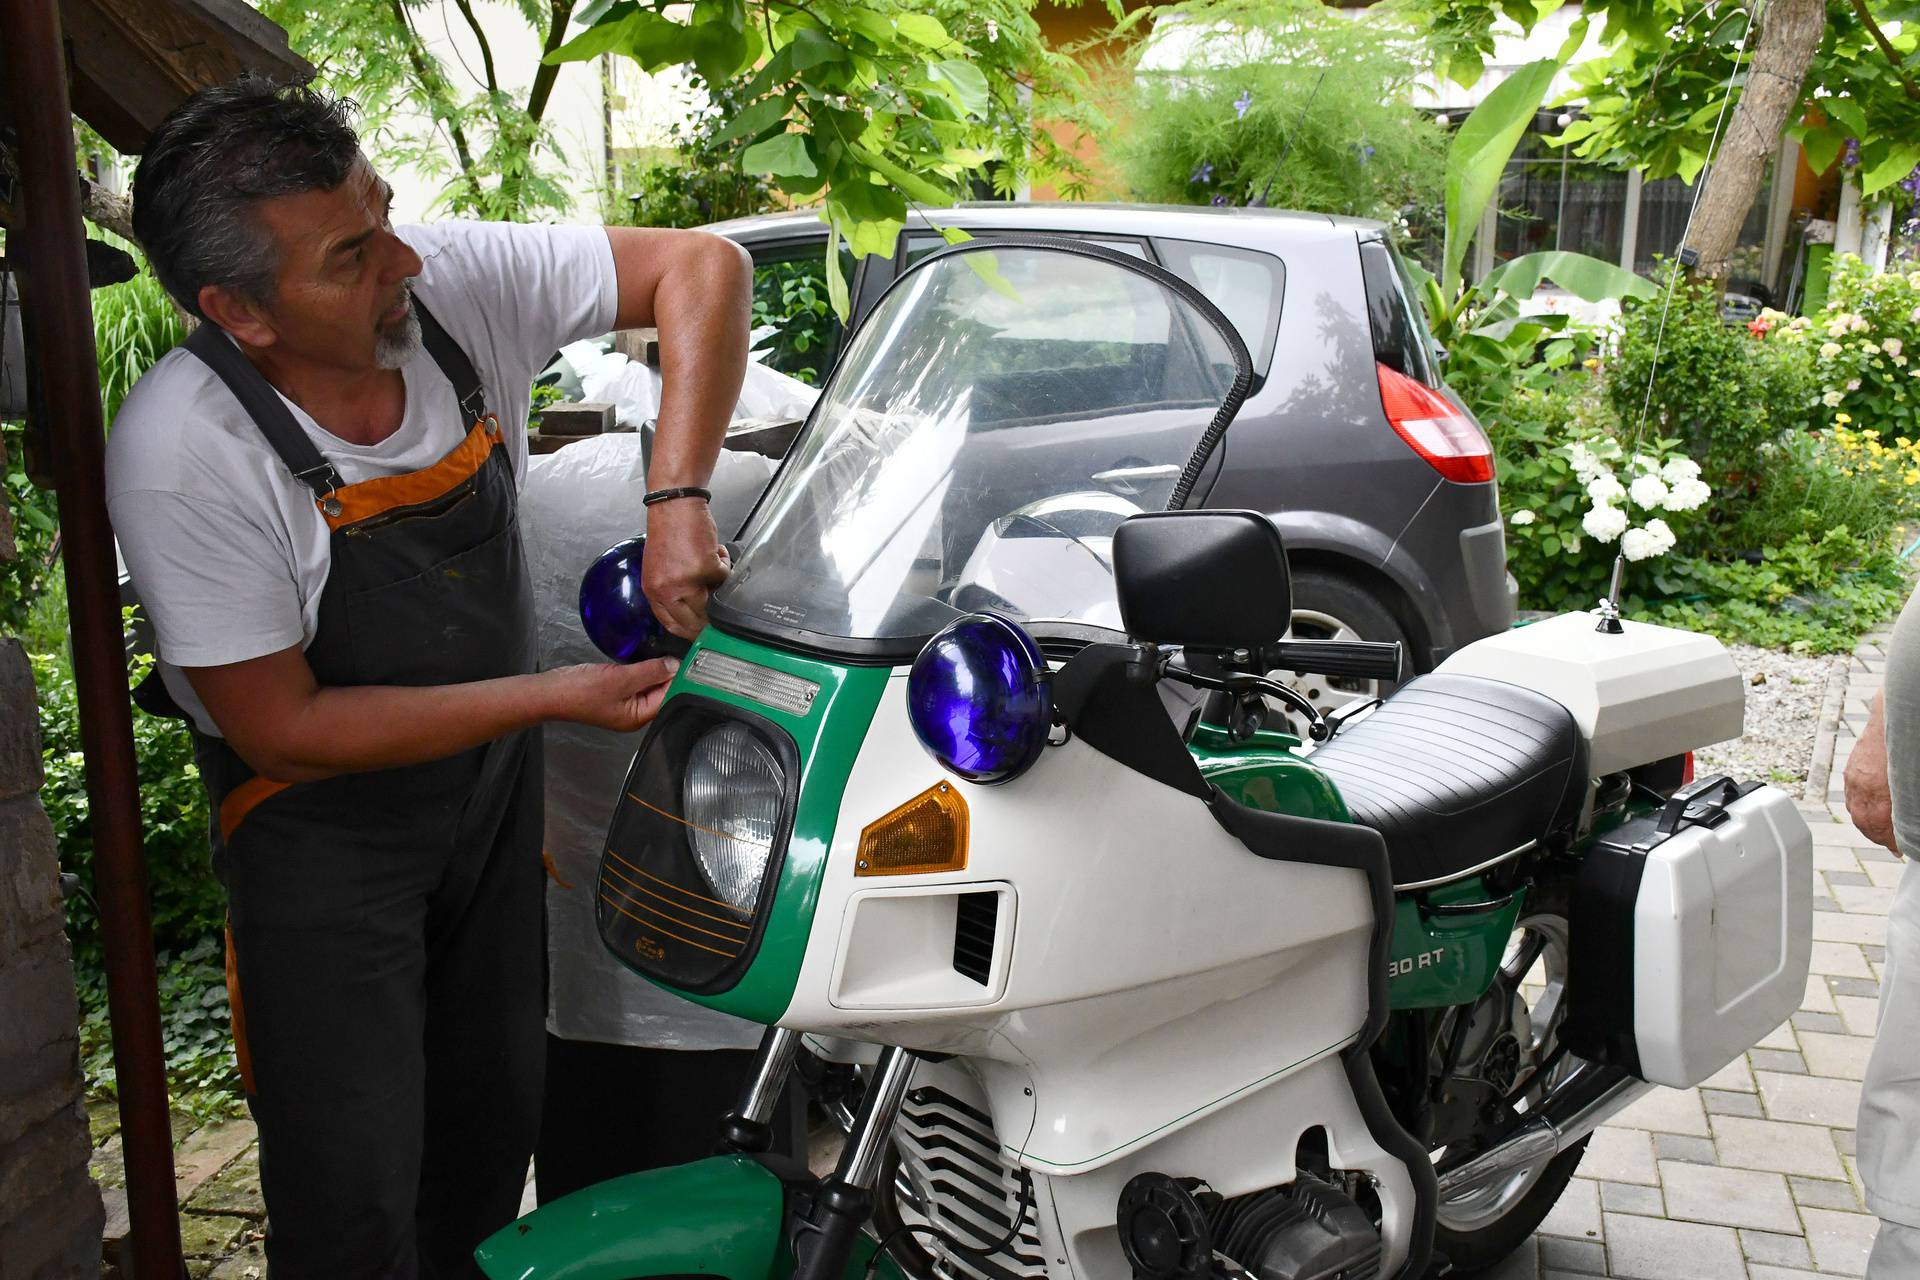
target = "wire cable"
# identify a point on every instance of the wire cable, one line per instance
(1743, 57)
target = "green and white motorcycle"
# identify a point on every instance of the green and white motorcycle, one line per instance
(970, 788)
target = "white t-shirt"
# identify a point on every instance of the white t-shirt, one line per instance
(228, 551)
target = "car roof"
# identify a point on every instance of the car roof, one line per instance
(1199, 222)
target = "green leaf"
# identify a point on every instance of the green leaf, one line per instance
(784, 155)
(1847, 113)
(1900, 159)
(922, 28)
(757, 118)
(1823, 147)
(836, 281)
(967, 82)
(1589, 279)
(1478, 157)
(915, 186)
(811, 48)
(606, 35)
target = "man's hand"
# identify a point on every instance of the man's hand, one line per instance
(684, 563)
(1869, 795)
(610, 695)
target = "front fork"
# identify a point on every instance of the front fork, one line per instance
(824, 1236)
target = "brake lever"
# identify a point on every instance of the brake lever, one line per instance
(1240, 682)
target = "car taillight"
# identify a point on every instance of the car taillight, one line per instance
(1686, 771)
(1449, 441)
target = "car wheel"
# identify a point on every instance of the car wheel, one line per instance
(1327, 606)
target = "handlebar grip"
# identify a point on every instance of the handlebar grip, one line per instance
(1366, 659)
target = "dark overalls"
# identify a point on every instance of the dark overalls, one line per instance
(385, 952)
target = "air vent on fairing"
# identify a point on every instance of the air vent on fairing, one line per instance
(976, 915)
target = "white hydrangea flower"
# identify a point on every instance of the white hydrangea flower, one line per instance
(1648, 491)
(1688, 495)
(1828, 350)
(1604, 523)
(1915, 317)
(1893, 347)
(1663, 538)
(1605, 488)
(1646, 462)
(1585, 465)
(1871, 348)
(1636, 544)
(1832, 399)
(1853, 384)
(1522, 517)
(1679, 468)
(1856, 324)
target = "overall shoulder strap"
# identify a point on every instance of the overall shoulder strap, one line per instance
(264, 405)
(453, 363)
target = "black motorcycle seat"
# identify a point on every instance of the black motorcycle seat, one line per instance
(1453, 771)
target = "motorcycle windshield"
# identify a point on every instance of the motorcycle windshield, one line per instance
(1001, 411)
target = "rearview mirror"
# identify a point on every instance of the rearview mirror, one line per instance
(1203, 579)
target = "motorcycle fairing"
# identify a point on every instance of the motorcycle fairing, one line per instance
(723, 1217)
(827, 737)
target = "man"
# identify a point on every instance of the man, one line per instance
(317, 499)
(1883, 799)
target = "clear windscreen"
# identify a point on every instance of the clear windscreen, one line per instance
(996, 417)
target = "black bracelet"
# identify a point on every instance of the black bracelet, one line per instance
(683, 491)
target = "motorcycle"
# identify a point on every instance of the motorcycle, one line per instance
(973, 790)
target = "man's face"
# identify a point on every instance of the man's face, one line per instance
(342, 297)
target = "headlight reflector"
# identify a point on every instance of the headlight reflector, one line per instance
(980, 700)
(734, 795)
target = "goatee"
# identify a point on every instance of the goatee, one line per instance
(396, 344)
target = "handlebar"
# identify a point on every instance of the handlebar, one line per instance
(1365, 659)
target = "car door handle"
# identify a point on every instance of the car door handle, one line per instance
(1123, 475)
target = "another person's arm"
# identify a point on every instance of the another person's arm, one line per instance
(697, 289)
(292, 729)
(1869, 791)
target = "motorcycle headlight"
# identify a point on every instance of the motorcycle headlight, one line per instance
(696, 844)
(979, 698)
(733, 801)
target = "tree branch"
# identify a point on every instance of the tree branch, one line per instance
(105, 209)
(1886, 47)
(430, 85)
(548, 72)
(486, 50)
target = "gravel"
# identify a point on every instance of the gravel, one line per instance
(1785, 692)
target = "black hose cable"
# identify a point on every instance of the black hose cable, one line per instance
(1024, 1203)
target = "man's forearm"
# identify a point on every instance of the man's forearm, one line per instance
(356, 728)
(701, 307)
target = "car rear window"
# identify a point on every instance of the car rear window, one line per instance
(1245, 285)
(1400, 339)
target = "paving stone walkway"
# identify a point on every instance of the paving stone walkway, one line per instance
(1752, 1175)
(1749, 1177)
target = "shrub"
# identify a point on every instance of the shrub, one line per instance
(187, 903)
(1285, 103)
(1576, 497)
(1717, 390)
(134, 324)
(791, 298)
(696, 179)
(1865, 344)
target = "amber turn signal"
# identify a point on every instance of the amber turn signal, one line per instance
(926, 834)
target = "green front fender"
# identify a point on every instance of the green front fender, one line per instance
(720, 1217)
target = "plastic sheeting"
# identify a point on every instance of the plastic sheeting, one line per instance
(633, 389)
(577, 503)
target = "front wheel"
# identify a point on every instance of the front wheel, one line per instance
(1511, 1031)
